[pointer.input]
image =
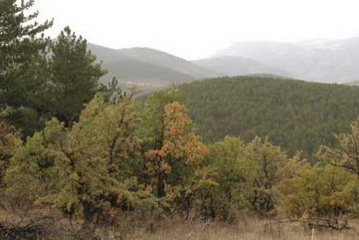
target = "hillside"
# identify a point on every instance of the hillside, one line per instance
(147, 67)
(294, 114)
(236, 66)
(352, 83)
(321, 61)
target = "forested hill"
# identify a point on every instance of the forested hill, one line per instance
(296, 115)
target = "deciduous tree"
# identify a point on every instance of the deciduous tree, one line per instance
(179, 155)
(9, 144)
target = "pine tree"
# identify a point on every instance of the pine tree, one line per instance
(20, 47)
(74, 75)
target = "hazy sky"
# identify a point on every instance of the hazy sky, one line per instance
(195, 29)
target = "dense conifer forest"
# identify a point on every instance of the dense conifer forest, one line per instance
(297, 115)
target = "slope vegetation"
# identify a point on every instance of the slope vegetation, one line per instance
(294, 114)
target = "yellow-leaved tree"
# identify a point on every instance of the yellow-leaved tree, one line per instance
(318, 191)
(10, 141)
(87, 171)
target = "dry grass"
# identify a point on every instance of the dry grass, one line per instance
(244, 230)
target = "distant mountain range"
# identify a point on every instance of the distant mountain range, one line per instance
(237, 66)
(147, 67)
(318, 61)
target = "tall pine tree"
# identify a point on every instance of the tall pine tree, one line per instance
(20, 47)
(75, 74)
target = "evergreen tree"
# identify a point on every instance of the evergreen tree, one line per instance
(20, 48)
(74, 75)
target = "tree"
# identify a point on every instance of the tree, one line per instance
(31, 174)
(180, 154)
(88, 171)
(234, 178)
(170, 145)
(248, 177)
(153, 114)
(74, 76)
(269, 160)
(20, 48)
(9, 144)
(347, 154)
(322, 191)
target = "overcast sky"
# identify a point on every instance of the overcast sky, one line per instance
(195, 29)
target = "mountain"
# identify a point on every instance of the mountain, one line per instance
(321, 61)
(169, 61)
(297, 115)
(236, 66)
(147, 67)
(352, 83)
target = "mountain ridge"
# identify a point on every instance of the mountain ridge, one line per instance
(147, 67)
(319, 61)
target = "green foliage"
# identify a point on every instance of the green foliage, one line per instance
(269, 161)
(319, 191)
(9, 142)
(22, 61)
(31, 173)
(113, 162)
(103, 155)
(39, 78)
(88, 170)
(234, 179)
(297, 115)
(20, 49)
(74, 76)
(152, 115)
(173, 152)
(346, 155)
(247, 176)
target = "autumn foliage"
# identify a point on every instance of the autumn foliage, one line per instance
(113, 164)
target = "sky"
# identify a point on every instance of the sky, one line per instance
(195, 29)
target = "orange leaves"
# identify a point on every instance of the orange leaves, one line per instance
(176, 121)
(180, 148)
(157, 163)
(178, 142)
(178, 136)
